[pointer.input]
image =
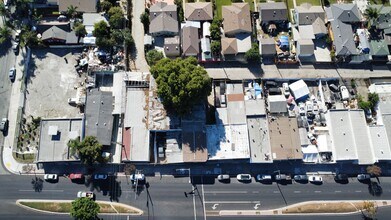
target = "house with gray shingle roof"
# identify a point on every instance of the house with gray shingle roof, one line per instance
(236, 19)
(172, 46)
(267, 47)
(163, 20)
(273, 12)
(306, 14)
(379, 50)
(199, 11)
(347, 13)
(190, 41)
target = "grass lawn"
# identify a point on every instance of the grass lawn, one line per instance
(24, 158)
(219, 4)
(65, 207)
(312, 2)
(251, 3)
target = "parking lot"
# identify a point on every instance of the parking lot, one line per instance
(52, 81)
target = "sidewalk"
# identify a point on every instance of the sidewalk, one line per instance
(17, 101)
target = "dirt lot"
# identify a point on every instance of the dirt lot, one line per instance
(339, 207)
(52, 81)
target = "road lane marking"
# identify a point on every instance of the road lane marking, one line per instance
(255, 191)
(203, 197)
(317, 191)
(215, 192)
(195, 213)
(44, 190)
(296, 191)
(337, 191)
(276, 191)
(358, 191)
(227, 202)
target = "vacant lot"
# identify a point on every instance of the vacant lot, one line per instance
(51, 82)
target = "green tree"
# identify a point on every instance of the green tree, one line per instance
(128, 38)
(215, 47)
(89, 150)
(101, 30)
(3, 11)
(116, 21)
(374, 170)
(115, 11)
(153, 56)
(252, 55)
(5, 34)
(373, 98)
(105, 6)
(371, 14)
(144, 17)
(84, 209)
(80, 31)
(181, 16)
(182, 83)
(72, 11)
(29, 38)
(22, 7)
(215, 33)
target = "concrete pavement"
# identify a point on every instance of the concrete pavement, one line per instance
(139, 63)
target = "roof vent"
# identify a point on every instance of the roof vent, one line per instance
(346, 149)
(341, 118)
(154, 14)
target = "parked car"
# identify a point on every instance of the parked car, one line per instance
(263, 178)
(300, 178)
(12, 73)
(309, 106)
(15, 47)
(274, 91)
(4, 124)
(341, 177)
(106, 154)
(138, 177)
(363, 177)
(302, 110)
(315, 179)
(50, 177)
(282, 177)
(333, 88)
(62, 18)
(17, 36)
(223, 177)
(76, 176)
(243, 177)
(344, 93)
(100, 176)
(285, 88)
(271, 84)
(82, 194)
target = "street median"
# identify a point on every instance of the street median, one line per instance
(64, 207)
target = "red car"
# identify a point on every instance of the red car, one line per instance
(76, 176)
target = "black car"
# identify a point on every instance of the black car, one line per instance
(271, 84)
(300, 178)
(341, 177)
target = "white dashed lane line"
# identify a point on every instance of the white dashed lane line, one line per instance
(317, 191)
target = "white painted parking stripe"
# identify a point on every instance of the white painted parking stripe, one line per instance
(296, 191)
(317, 191)
(237, 192)
(358, 191)
(337, 191)
(276, 191)
(45, 190)
(227, 202)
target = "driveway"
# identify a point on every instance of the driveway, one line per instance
(139, 63)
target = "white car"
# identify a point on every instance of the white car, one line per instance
(315, 179)
(223, 177)
(302, 110)
(285, 89)
(12, 73)
(139, 177)
(264, 177)
(243, 177)
(82, 194)
(344, 93)
(50, 177)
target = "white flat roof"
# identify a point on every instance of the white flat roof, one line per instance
(380, 142)
(236, 112)
(259, 140)
(227, 142)
(135, 118)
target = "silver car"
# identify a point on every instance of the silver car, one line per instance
(223, 177)
(12, 73)
(243, 177)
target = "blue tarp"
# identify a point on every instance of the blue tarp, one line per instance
(257, 89)
(284, 40)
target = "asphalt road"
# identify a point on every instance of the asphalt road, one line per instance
(167, 199)
(7, 60)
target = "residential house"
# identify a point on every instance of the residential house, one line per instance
(379, 50)
(172, 46)
(344, 19)
(236, 19)
(267, 47)
(234, 48)
(190, 41)
(305, 50)
(311, 18)
(82, 5)
(383, 22)
(199, 11)
(89, 19)
(273, 13)
(55, 35)
(163, 20)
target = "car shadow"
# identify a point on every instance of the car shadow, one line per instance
(245, 181)
(52, 181)
(342, 181)
(317, 183)
(302, 181)
(227, 181)
(206, 180)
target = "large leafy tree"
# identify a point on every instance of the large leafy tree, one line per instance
(80, 31)
(253, 55)
(215, 47)
(29, 38)
(116, 19)
(215, 33)
(105, 5)
(72, 11)
(84, 209)
(5, 34)
(144, 18)
(371, 14)
(89, 150)
(101, 29)
(153, 56)
(181, 83)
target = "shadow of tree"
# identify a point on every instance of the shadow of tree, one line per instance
(375, 189)
(37, 184)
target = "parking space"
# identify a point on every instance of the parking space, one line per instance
(52, 82)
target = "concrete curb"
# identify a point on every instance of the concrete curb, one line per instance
(18, 203)
(278, 211)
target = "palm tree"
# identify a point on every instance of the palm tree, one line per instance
(371, 14)
(5, 34)
(72, 11)
(3, 11)
(80, 31)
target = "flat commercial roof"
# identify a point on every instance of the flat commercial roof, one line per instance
(259, 140)
(380, 143)
(284, 138)
(227, 142)
(99, 115)
(136, 124)
(194, 145)
(236, 112)
(350, 136)
(54, 148)
(255, 107)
